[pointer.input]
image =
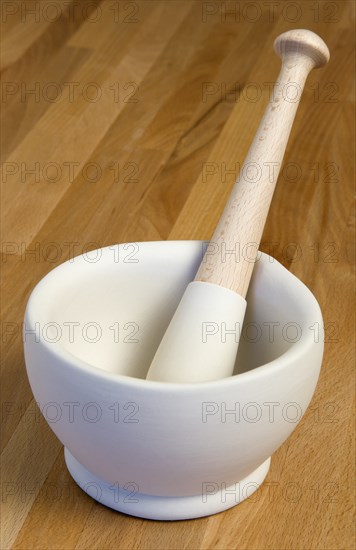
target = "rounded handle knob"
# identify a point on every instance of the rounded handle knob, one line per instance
(302, 42)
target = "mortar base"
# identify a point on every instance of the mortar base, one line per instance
(164, 508)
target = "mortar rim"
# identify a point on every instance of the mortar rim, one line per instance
(292, 354)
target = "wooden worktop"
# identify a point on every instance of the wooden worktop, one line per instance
(127, 121)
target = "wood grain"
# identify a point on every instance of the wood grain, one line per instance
(155, 157)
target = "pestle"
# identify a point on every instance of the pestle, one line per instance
(201, 341)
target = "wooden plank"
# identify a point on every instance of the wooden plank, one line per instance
(168, 163)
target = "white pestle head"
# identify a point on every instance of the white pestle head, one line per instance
(195, 347)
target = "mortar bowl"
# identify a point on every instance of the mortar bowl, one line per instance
(163, 450)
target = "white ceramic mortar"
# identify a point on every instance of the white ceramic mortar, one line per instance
(162, 450)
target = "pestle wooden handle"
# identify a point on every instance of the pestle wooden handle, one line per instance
(232, 251)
